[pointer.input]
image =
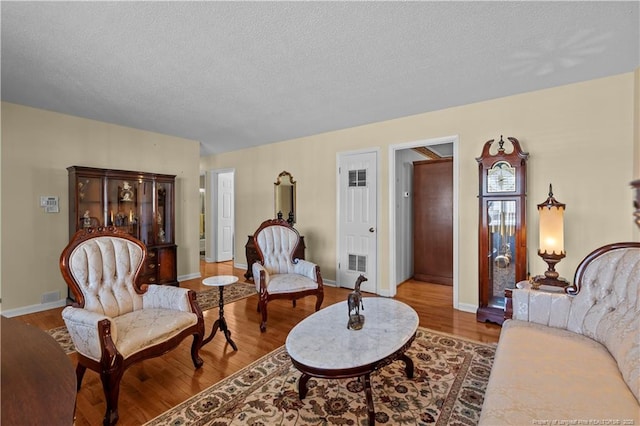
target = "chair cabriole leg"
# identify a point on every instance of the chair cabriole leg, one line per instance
(195, 349)
(263, 311)
(111, 386)
(80, 370)
(319, 299)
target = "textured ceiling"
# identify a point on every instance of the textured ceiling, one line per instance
(233, 75)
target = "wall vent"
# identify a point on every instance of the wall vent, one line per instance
(357, 263)
(52, 296)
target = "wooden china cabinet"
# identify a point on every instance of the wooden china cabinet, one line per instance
(502, 226)
(139, 203)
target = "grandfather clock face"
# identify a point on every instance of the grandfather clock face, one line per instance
(501, 177)
(502, 237)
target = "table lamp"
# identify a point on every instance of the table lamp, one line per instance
(551, 248)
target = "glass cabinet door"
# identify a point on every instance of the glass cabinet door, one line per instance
(90, 207)
(122, 202)
(145, 212)
(164, 192)
(502, 266)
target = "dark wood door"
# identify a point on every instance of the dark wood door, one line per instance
(433, 221)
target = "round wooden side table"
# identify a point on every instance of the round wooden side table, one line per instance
(220, 281)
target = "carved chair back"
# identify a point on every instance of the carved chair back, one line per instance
(101, 266)
(276, 241)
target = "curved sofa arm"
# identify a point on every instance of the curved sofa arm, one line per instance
(306, 268)
(257, 268)
(166, 297)
(82, 325)
(542, 307)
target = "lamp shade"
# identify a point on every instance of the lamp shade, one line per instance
(551, 225)
(552, 230)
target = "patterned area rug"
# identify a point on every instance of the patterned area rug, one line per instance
(450, 377)
(207, 299)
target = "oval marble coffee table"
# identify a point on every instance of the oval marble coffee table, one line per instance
(322, 346)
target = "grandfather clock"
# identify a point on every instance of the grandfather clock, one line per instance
(502, 226)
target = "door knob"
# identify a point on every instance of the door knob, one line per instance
(371, 229)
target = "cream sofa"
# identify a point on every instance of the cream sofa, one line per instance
(572, 358)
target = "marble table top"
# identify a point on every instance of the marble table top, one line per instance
(220, 280)
(322, 340)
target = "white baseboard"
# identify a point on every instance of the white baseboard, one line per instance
(330, 283)
(466, 307)
(34, 308)
(189, 276)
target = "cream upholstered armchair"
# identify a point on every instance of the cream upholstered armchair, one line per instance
(115, 322)
(277, 275)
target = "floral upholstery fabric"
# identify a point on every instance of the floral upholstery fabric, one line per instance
(105, 268)
(138, 330)
(541, 307)
(164, 297)
(286, 283)
(277, 243)
(130, 332)
(606, 309)
(568, 357)
(543, 374)
(83, 330)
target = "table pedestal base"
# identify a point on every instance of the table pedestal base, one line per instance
(366, 377)
(221, 324)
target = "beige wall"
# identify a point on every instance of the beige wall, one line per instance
(37, 147)
(580, 138)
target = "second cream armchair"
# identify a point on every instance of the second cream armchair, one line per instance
(277, 275)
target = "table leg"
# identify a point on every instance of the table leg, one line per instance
(214, 329)
(369, 395)
(302, 385)
(408, 365)
(221, 324)
(227, 333)
(302, 392)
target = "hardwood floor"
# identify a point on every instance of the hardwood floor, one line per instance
(153, 386)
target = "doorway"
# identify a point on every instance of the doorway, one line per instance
(400, 216)
(220, 226)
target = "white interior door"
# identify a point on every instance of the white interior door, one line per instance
(224, 217)
(358, 222)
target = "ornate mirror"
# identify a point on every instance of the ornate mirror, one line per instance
(285, 197)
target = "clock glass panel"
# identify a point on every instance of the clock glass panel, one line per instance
(502, 268)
